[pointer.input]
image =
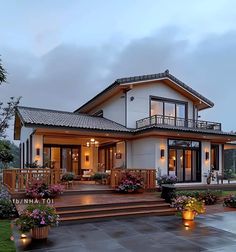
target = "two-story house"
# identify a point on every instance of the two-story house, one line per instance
(149, 121)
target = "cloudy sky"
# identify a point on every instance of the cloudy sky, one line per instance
(60, 53)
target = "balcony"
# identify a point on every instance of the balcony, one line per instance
(177, 122)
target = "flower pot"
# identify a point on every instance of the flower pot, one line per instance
(140, 190)
(40, 232)
(188, 215)
(130, 190)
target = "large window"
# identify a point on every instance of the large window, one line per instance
(168, 108)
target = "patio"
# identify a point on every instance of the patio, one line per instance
(215, 232)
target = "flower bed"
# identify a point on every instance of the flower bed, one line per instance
(130, 183)
(210, 197)
(39, 189)
(230, 201)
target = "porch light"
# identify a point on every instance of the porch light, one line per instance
(92, 142)
(37, 151)
(162, 153)
(207, 155)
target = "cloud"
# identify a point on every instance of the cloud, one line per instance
(69, 75)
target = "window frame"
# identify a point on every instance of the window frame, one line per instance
(167, 100)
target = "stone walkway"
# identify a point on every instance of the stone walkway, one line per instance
(212, 232)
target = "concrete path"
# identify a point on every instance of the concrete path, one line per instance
(216, 232)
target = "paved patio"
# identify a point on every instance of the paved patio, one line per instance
(215, 232)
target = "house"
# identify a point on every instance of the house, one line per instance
(149, 121)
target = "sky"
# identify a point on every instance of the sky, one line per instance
(60, 53)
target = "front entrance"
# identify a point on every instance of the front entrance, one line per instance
(184, 160)
(62, 157)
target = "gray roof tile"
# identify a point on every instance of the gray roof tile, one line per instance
(46, 117)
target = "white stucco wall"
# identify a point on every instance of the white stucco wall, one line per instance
(113, 109)
(140, 106)
(206, 164)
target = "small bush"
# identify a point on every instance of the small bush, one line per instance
(209, 196)
(99, 176)
(230, 201)
(68, 176)
(7, 208)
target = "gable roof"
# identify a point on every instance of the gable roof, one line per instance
(147, 78)
(45, 117)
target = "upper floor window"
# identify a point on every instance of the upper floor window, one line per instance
(168, 107)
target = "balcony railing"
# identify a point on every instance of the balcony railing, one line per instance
(177, 122)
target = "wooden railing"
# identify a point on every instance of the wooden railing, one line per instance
(148, 175)
(17, 180)
(177, 122)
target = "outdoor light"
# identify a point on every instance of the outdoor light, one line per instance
(87, 158)
(162, 153)
(38, 151)
(23, 236)
(207, 155)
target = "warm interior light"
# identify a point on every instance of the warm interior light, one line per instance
(92, 140)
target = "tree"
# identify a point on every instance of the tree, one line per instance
(6, 111)
(6, 155)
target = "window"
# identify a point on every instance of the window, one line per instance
(215, 157)
(184, 143)
(168, 108)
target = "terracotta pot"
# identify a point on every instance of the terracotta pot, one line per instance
(140, 190)
(130, 190)
(188, 215)
(40, 232)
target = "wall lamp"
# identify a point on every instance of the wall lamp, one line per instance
(162, 153)
(87, 158)
(37, 151)
(207, 155)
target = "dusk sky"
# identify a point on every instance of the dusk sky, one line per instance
(58, 54)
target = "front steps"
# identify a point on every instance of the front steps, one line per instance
(95, 212)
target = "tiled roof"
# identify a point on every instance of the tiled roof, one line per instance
(184, 129)
(148, 77)
(166, 74)
(46, 117)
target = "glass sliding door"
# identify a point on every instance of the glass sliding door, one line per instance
(67, 158)
(184, 160)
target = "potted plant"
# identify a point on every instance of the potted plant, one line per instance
(99, 176)
(189, 207)
(67, 177)
(37, 218)
(130, 183)
(167, 179)
(230, 201)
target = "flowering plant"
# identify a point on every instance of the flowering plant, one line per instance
(39, 189)
(167, 179)
(130, 183)
(37, 215)
(183, 203)
(230, 201)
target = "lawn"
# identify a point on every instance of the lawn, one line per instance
(6, 244)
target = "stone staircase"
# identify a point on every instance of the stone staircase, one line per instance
(104, 211)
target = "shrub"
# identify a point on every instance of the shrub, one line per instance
(39, 189)
(210, 197)
(167, 179)
(7, 208)
(130, 182)
(37, 215)
(230, 201)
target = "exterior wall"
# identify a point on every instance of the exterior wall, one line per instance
(37, 143)
(113, 109)
(120, 149)
(24, 136)
(206, 164)
(139, 107)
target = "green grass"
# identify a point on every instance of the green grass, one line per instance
(6, 244)
(226, 193)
